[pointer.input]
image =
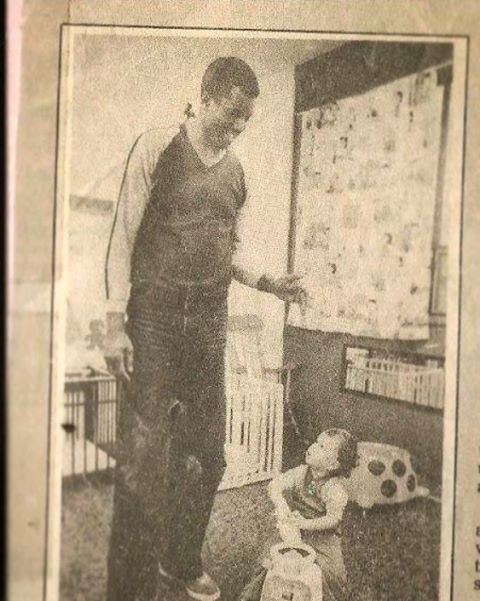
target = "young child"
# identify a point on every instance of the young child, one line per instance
(309, 503)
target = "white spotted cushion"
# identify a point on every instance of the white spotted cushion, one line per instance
(384, 475)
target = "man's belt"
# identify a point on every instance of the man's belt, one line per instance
(184, 298)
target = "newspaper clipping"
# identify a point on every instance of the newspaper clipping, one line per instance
(241, 303)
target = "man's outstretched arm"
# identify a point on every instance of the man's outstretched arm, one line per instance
(287, 288)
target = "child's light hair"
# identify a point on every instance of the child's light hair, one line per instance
(347, 451)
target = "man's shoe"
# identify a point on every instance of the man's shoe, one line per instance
(203, 588)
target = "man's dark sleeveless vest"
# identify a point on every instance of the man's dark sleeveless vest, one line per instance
(187, 234)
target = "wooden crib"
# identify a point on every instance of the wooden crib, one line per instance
(254, 417)
(254, 413)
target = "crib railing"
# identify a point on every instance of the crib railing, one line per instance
(91, 407)
(254, 430)
(417, 384)
(254, 427)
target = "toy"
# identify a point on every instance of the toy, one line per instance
(293, 575)
(384, 475)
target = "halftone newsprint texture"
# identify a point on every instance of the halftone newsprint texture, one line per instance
(242, 301)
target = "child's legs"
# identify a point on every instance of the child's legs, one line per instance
(330, 559)
(253, 589)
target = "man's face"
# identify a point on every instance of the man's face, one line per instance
(225, 118)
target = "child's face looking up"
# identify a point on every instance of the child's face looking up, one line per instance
(323, 454)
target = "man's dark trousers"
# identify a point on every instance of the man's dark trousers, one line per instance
(171, 436)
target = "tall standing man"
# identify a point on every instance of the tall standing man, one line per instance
(170, 262)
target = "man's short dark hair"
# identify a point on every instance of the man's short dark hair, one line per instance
(226, 73)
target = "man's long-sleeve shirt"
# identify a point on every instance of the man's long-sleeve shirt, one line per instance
(134, 196)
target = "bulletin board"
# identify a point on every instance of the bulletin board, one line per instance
(365, 207)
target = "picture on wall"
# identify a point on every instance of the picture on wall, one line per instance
(366, 192)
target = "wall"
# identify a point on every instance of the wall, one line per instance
(88, 235)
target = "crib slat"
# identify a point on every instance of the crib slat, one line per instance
(263, 434)
(278, 435)
(270, 426)
(255, 428)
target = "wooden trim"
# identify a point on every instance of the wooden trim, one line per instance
(440, 253)
(297, 141)
(356, 67)
(444, 78)
(403, 353)
(385, 399)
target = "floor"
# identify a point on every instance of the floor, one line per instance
(393, 552)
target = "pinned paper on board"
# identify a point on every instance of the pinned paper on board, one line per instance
(366, 193)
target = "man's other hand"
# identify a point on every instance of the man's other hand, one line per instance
(287, 288)
(118, 348)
